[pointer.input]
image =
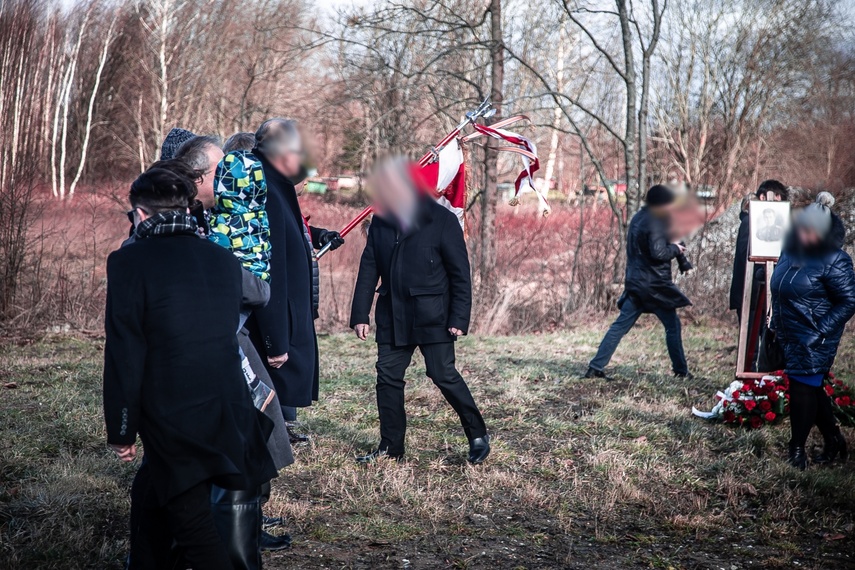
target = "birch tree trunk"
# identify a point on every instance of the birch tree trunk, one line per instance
(631, 127)
(65, 104)
(92, 96)
(556, 113)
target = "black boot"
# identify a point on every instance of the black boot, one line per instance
(834, 447)
(271, 522)
(594, 373)
(273, 543)
(798, 458)
(237, 515)
(295, 437)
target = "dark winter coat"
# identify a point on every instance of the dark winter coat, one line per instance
(813, 296)
(172, 371)
(425, 285)
(286, 324)
(279, 443)
(648, 264)
(740, 256)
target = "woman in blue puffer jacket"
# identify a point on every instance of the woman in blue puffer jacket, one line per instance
(813, 296)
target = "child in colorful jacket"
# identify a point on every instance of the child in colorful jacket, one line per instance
(239, 220)
(239, 224)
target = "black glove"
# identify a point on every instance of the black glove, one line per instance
(330, 237)
(684, 264)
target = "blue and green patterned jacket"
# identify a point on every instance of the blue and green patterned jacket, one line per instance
(238, 219)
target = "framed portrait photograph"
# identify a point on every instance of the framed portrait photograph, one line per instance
(770, 222)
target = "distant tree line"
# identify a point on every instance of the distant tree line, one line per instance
(712, 93)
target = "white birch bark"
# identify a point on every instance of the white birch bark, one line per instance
(88, 128)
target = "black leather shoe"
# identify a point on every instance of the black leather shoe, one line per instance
(594, 373)
(378, 455)
(834, 448)
(798, 458)
(684, 375)
(479, 449)
(272, 543)
(297, 438)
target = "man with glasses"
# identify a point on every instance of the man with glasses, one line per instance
(202, 153)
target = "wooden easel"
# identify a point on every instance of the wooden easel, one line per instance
(743, 368)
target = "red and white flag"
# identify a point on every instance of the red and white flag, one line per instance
(528, 151)
(446, 177)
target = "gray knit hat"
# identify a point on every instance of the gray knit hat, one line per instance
(817, 216)
(173, 140)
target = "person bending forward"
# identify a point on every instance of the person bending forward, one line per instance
(417, 251)
(649, 287)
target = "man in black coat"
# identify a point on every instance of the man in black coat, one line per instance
(284, 330)
(648, 286)
(172, 375)
(416, 250)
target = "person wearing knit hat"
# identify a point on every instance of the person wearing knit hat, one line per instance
(174, 139)
(648, 286)
(659, 196)
(816, 220)
(813, 297)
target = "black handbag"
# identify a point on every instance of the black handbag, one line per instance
(770, 356)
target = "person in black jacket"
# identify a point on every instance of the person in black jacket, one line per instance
(234, 511)
(813, 297)
(284, 330)
(417, 252)
(740, 256)
(648, 286)
(172, 375)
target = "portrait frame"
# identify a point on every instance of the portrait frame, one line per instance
(769, 224)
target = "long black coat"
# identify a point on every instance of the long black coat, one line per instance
(648, 264)
(171, 365)
(740, 256)
(813, 296)
(425, 285)
(286, 324)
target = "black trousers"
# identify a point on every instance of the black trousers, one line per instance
(810, 406)
(186, 520)
(392, 364)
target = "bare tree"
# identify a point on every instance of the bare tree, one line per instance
(730, 65)
(490, 194)
(93, 95)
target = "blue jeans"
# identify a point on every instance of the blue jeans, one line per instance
(629, 314)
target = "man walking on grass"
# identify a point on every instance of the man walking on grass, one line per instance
(416, 250)
(648, 287)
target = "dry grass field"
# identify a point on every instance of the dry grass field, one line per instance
(584, 474)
